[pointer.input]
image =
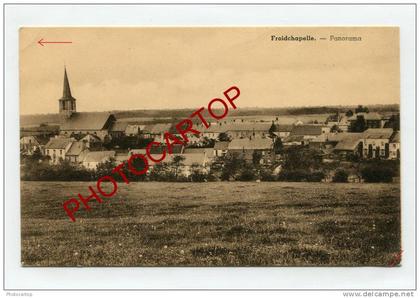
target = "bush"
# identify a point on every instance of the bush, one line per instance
(247, 174)
(340, 176)
(315, 176)
(375, 173)
(267, 175)
(293, 175)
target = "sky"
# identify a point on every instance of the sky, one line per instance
(168, 68)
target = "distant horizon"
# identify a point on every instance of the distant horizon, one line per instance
(238, 109)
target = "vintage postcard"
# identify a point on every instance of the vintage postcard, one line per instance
(210, 146)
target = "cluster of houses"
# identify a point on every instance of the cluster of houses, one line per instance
(80, 137)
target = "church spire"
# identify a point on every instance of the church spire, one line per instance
(66, 104)
(66, 86)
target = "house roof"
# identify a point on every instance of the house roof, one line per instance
(242, 126)
(75, 149)
(58, 143)
(207, 151)
(90, 138)
(253, 144)
(306, 130)
(366, 116)
(121, 156)
(246, 126)
(221, 145)
(193, 158)
(155, 156)
(99, 156)
(134, 128)
(87, 121)
(157, 128)
(137, 151)
(176, 149)
(119, 126)
(216, 128)
(378, 133)
(283, 127)
(349, 142)
(395, 138)
(40, 140)
(291, 139)
(331, 137)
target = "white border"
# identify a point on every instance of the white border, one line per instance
(208, 278)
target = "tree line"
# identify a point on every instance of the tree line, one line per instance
(296, 165)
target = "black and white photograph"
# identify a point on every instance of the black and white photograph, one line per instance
(210, 147)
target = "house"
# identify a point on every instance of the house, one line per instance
(247, 130)
(351, 144)
(309, 131)
(156, 131)
(134, 129)
(121, 157)
(92, 142)
(328, 140)
(344, 124)
(220, 148)
(376, 142)
(247, 147)
(156, 155)
(214, 131)
(76, 152)
(94, 158)
(394, 146)
(56, 148)
(371, 120)
(209, 152)
(238, 130)
(283, 130)
(333, 119)
(118, 129)
(29, 144)
(297, 140)
(191, 161)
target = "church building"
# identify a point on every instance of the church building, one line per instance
(74, 123)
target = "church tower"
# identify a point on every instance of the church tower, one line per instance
(67, 104)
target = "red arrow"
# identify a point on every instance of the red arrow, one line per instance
(41, 42)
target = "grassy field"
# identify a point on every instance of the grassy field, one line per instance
(213, 224)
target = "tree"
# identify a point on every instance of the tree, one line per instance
(232, 163)
(349, 113)
(361, 109)
(208, 143)
(272, 129)
(256, 158)
(247, 173)
(340, 176)
(359, 125)
(176, 164)
(335, 128)
(223, 137)
(278, 146)
(197, 173)
(105, 168)
(393, 122)
(377, 173)
(160, 172)
(305, 159)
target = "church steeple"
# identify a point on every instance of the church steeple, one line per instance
(66, 86)
(67, 104)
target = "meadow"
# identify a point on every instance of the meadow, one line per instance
(213, 224)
